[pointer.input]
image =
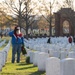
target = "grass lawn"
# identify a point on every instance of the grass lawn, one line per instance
(19, 68)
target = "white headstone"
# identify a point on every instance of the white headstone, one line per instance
(68, 66)
(1, 61)
(35, 58)
(31, 56)
(56, 54)
(2, 57)
(71, 55)
(63, 54)
(50, 52)
(0, 67)
(42, 56)
(53, 66)
(28, 52)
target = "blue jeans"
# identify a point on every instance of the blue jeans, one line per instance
(16, 48)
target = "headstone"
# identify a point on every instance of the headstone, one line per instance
(63, 55)
(50, 52)
(56, 54)
(44, 50)
(31, 56)
(42, 56)
(71, 55)
(0, 67)
(53, 66)
(35, 58)
(68, 66)
(28, 52)
(1, 61)
(4, 58)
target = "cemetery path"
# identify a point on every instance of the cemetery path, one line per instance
(19, 68)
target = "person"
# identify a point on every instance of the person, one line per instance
(17, 42)
(70, 39)
(48, 41)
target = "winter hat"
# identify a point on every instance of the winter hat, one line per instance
(17, 28)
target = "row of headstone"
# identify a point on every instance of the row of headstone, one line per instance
(58, 54)
(62, 54)
(2, 43)
(53, 65)
(38, 59)
(54, 50)
(47, 59)
(3, 55)
(44, 40)
(54, 40)
(55, 47)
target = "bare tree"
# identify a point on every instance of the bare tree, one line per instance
(48, 9)
(27, 15)
(23, 12)
(68, 4)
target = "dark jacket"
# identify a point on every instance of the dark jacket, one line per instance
(48, 41)
(74, 39)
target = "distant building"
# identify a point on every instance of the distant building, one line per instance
(65, 22)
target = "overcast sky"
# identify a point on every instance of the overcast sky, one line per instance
(40, 4)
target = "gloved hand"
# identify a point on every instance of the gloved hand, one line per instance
(23, 49)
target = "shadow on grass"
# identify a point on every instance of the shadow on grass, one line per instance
(25, 68)
(7, 74)
(38, 73)
(23, 64)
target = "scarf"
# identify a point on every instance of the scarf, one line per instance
(18, 35)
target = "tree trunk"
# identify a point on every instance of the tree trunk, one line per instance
(19, 18)
(27, 33)
(26, 22)
(19, 22)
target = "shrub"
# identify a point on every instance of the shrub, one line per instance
(27, 59)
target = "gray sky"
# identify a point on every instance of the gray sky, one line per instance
(40, 4)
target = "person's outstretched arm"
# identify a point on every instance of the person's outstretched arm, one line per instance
(11, 33)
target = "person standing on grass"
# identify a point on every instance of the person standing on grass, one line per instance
(17, 42)
(70, 39)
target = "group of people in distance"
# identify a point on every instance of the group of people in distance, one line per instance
(70, 39)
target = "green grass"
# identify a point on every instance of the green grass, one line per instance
(19, 68)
